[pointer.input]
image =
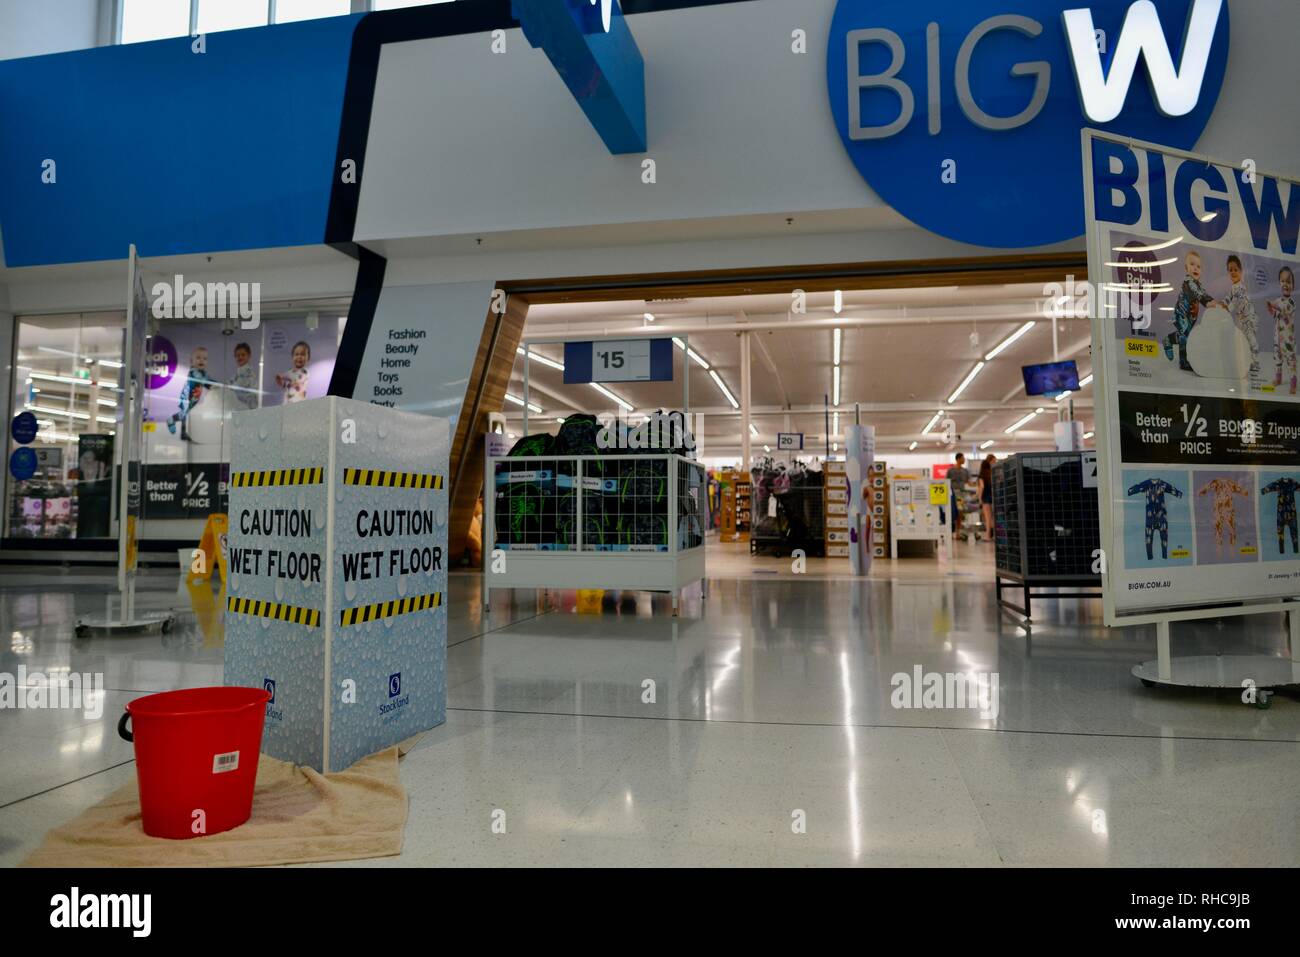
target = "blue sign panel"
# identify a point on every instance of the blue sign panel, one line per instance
(591, 47)
(964, 115)
(22, 464)
(23, 428)
(618, 360)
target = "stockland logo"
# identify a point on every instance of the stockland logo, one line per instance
(964, 115)
(272, 711)
(396, 700)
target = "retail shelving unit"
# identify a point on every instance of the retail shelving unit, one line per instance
(736, 506)
(1046, 528)
(637, 524)
(914, 515)
(836, 508)
(878, 499)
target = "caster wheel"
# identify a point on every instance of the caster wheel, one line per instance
(1264, 700)
(81, 631)
(167, 625)
(1146, 683)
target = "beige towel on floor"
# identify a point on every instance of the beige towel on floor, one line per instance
(298, 816)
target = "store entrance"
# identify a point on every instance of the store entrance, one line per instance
(771, 370)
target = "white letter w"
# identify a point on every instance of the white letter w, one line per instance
(1175, 91)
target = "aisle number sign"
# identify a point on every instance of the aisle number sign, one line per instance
(789, 441)
(618, 360)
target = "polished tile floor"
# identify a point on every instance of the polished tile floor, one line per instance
(755, 729)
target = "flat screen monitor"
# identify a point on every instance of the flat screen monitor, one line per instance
(1051, 378)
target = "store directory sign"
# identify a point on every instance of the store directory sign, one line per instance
(618, 360)
(1195, 362)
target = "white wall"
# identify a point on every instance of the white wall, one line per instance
(36, 27)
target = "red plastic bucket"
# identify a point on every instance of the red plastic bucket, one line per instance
(196, 756)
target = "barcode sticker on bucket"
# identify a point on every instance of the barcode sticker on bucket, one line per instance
(225, 762)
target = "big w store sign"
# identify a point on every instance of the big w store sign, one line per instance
(964, 115)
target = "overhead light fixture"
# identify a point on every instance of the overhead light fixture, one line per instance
(67, 379)
(1009, 340)
(767, 448)
(835, 399)
(538, 357)
(110, 363)
(112, 403)
(933, 422)
(1085, 381)
(753, 430)
(839, 301)
(518, 401)
(979, 366)
(699, 359)
(622, 403)
(1064, 395)
(988, 444)
(839, 333)
(835, 446)
(559, 420)
(649, 316)
(67, 415)
(912, 447)
(835, 423)
(713, 373)
(1025, 421)
(1088, 435)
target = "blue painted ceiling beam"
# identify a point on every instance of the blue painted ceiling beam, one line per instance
(590, 45)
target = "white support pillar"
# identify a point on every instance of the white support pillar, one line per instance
(745, 460)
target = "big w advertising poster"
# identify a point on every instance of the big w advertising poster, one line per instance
(1194, 338)
(196, 377)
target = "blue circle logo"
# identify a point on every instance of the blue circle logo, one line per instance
(968, 121)
(24, 428)
(22, 464)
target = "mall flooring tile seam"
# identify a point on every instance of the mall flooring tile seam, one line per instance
(56, 787)
(870, 725)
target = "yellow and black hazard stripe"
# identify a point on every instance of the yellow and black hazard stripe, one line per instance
(380, 478)
(273, 609)
(387, 609)
(273, 477)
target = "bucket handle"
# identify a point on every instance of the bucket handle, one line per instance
(121, 727)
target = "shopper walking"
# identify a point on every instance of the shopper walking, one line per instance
(986, 492)
(958, 478)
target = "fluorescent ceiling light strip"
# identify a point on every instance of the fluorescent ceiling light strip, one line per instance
(112, 403)
(1065, 395)
(111, 363)
(1009, 340)
(835, 423)
(835, 399)
(753, 430)
(518, 401)
(1025, 421)
(699, 360)
(985, 445)
(538, 357)
(49, 377)
(979, 366)
(839, 335)
(1085, 381)
(625, 405)
(69, 415)
(1088, 435)
(933, 422)
(912, 447)
(723, 386)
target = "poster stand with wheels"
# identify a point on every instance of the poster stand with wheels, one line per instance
(130, 494)
(1198, 459)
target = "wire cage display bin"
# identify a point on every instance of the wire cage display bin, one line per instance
(628, 522)
(1047, 532)
(789, 510)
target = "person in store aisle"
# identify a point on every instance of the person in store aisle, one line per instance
(958, 478)
(1282, 310)
(986, 492)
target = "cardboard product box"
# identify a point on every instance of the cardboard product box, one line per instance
(837, 551)
(880, 551)
(837, 495)
(837, 508)
(838, 537)
(837, 521)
